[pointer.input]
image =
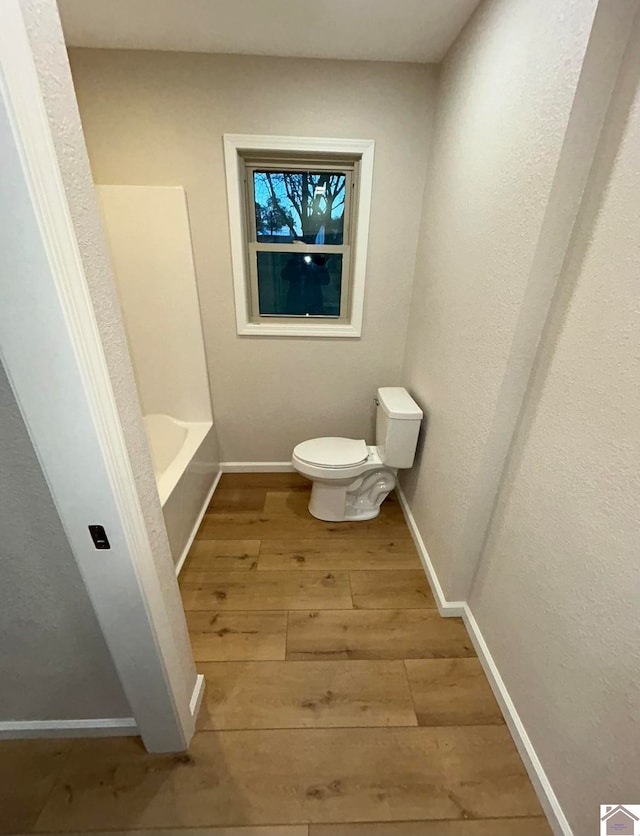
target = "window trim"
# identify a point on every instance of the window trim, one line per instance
(235, 146)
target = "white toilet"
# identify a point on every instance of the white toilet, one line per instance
(352, 480)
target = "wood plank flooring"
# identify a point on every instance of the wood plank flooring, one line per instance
(376, 634)
(338, 701)
(290, 695)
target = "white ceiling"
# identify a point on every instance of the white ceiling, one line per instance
(376, 30)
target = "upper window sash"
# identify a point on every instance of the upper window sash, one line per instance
(342, 168)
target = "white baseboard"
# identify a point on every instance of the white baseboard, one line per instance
(101, 727)
(256, 467)
(532, 764)
(445, 608)
(195, 528)
(197, 695)
(538, 777)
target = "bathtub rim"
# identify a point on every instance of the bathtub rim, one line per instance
(196, 433)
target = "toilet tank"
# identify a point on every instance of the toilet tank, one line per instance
(398, 419)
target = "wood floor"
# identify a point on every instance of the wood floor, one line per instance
(338, 701)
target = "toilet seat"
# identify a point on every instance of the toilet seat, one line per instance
(332, 452)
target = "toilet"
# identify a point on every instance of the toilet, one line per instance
(351, 480)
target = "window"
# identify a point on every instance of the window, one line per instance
(298, 224)
(299, 212)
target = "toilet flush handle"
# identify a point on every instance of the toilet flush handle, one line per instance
(376, 402)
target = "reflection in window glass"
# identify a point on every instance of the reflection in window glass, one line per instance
(299, 206)
(299, 284)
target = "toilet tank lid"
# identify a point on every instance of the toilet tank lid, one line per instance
(398, 403)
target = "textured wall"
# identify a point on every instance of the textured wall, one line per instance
(158, 119)
(506, 93)
(558, 589)
(54, 664)
(47, 43)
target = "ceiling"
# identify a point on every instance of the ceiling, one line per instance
(374, 30)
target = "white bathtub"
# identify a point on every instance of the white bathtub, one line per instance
(185, 465)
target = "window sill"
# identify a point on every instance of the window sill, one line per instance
(344, 330)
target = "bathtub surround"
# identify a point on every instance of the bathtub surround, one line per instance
(546, 573)
(158, 118)
(150, 241)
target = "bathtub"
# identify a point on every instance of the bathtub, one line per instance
(185, 466)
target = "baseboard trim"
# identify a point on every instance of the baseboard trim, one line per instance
(197, 695)
(194, 531)
(447, 609)
(100, 727)
(256, 467)
(534, 768)
(523, 743)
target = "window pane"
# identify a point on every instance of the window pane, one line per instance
(296, 284)
(299, 206)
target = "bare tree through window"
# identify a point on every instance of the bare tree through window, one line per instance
(303, 206)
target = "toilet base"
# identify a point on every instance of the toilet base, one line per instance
(349, 501)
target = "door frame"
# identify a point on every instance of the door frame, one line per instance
(51, 348)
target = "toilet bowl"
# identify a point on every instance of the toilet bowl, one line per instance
(351, 480)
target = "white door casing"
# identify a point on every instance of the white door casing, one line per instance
(53, 355)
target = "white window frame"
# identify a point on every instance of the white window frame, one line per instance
(235, 146)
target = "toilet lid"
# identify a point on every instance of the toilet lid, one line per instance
(332, 452)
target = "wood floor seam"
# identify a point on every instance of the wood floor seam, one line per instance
(322, 609)
(406, 676)
(443, 820)
(351, 589)
(310, 729)
(243, 828)
(59, 771)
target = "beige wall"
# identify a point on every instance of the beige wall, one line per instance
(557, 593)
(525, 320)
(505, 178)
(158, 119)
(54, 663)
